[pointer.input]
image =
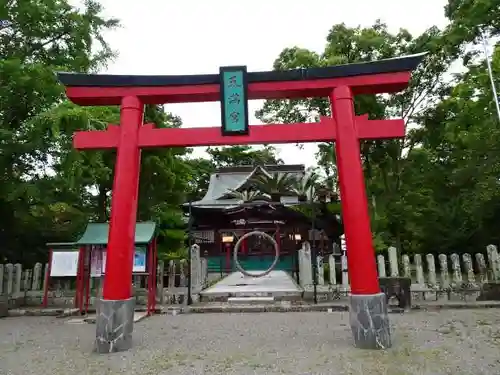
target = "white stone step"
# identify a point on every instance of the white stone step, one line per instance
(250, 300)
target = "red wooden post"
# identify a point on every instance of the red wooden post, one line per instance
(368, 307)
(87, 275)
(155, 272)
(80, 279)
(150, 276)
(77, 292)
(117, 301)
(120, 253)
(361, 256)
(81, 264)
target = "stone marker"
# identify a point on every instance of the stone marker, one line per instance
(305, 265)
(431, 264)
(381, 266)
(333, 271)
(457, 271)
(405, 259)
(443, 267)
(320, 269)
(419, 269)
(393, 261)
(469, 269)
(483, 270)
(345, 272)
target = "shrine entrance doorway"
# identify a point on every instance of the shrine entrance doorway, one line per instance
(233, 87)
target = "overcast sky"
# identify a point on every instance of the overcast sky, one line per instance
(199, 36)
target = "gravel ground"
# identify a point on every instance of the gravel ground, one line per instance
(449, 342)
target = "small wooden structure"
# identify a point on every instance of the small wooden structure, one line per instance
(86, 258)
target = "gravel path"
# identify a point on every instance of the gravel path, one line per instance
(456, 342)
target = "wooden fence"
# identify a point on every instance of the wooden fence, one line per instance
(444, 274)
(25, 286)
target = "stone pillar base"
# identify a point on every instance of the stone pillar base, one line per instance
(490, 292)
(399, 287)
(114, 325)
(370, 321)
(4, 306)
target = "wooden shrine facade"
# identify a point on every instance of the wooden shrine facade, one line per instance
(222, 217)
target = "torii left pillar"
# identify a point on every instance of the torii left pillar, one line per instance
(115, 310)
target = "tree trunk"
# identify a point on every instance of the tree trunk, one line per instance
(102, 205)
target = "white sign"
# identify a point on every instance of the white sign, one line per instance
(64, 263)
(343, 244)
(139, 260)
(98, 261)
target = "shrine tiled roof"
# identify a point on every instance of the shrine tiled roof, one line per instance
(226, 180)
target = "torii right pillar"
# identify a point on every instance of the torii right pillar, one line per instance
(368, 313)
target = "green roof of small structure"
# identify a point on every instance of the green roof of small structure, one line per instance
(61, 244)
(97, 233)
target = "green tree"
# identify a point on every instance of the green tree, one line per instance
(383, 161)
(39, 38)
(471, 18)
(200, 171)
(459, 161)
(275, 185)
(236, 156)
(164, 173)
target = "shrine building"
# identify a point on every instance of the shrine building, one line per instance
(265, 198)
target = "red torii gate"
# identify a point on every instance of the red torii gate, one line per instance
(368, 309)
